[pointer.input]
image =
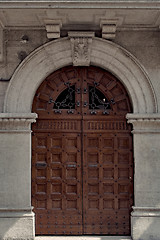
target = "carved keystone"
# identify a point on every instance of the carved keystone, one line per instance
(108, 29)
(81, 47)
(53, 28)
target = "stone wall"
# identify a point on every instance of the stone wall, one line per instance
(16, 217)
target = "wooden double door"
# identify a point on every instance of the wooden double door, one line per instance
(82, 163)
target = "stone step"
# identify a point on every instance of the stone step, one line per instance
(83, 238)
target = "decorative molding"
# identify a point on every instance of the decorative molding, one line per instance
(145, 212)
(53, 28)
(146, 4)
(16, 122)
(1, 44)
(108, 28)
(16, 213)
(81, 47)
(144, 123)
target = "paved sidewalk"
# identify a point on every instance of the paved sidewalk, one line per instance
(82, 238)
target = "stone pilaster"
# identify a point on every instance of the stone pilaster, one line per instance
(16, 216)
(146, 210)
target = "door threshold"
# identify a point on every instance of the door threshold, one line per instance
(83, 237)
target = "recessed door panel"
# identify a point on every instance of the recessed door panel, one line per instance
(82, 163)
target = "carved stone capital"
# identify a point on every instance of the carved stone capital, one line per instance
(81, 47)
(53, 28)
(15, 122)
(145, 123)
(108, 29)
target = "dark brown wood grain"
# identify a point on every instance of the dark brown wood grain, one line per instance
(82, 164)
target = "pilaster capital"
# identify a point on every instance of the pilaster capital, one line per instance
(145, 123)
(81, 47)
(16, 122)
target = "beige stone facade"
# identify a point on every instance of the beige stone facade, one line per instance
(123, 38)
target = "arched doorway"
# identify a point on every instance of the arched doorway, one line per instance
(82, 161)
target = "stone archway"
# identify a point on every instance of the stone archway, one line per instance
(16, 131)
(57, 54)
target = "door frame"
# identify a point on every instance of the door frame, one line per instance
(17, 119)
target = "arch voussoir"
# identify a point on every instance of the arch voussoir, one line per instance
(57, 54)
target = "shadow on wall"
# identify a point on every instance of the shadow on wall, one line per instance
(146, 228)
(16, 227)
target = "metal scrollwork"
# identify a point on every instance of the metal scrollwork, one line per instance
(66, 100)
(97, 100)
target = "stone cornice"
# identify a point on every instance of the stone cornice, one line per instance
(125, 4)
(16, 122)
(144, 123)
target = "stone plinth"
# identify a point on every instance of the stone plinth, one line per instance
(16, 216)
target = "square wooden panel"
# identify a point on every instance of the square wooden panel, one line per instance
(56, 142)
(123, 188)
(56, 157)
(93, 204)
(56, 188)
(108, 173)
(92, 142)
(93, 173)
(123, 158)
(41, 141)
(108, 158)
(71, 157)
(123, 143)
(41, 173)
(56, 173)
(71, 142)
(41, 204)
(93, 189)
(108, 142)
(92, 158)
(123, 173)
(57, 204)
(108, 188)
(71, 173)
(41, 157)
(41, 188)
(71, 189)
(123, 203)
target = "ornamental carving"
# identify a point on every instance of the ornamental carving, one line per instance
(81, 47)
